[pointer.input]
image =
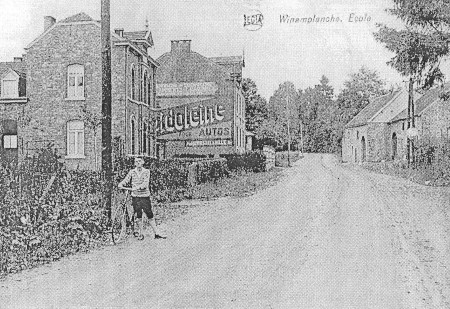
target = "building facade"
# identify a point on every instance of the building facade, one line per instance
(202, 107)
(380, 131)
(62, 105)
(366, 136)
(13, 99)
(432, 122)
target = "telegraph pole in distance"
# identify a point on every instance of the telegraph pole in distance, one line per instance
(288, 128)
(106, 103)
(301, 135)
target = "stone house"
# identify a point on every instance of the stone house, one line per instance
(202, 104)
(62, 72)
(432, 121)
(380, 131)
(367, 136)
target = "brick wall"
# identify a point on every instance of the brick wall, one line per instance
(49, 107)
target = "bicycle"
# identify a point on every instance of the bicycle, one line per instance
(121, 220)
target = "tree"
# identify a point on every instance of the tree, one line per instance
(422, 43)
(418, 47)
(255, 105)
(356, 94)
(282, 117)
(316, 110)
(357, 91)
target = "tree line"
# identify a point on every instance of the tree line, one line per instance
(315, 115)
(318, 114)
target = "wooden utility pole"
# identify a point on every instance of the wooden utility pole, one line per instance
(106, 103)
(411, 121)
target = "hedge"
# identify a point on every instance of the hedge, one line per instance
(254, 161)
(72, 217)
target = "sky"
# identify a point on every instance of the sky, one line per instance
(299, 52)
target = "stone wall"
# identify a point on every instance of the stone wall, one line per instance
(434, 122)
(352, 145)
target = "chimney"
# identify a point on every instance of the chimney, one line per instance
(18, 59)
(181, 46)
(119, 32)
(48, 22)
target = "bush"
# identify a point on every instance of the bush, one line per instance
(35, 229)
(71, 217)
(164, 174)
(211, 170)
(253, 161)
(433, 160)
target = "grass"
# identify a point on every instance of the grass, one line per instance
(237, 185)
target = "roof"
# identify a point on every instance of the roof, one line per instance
(188, 67)
(428, 98)
(141, 36)
(229, 59)
(135, 35)
(77, 18)
(18, 67)
(130, 38)
(367, 113)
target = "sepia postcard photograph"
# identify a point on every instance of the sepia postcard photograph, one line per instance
(225, 154)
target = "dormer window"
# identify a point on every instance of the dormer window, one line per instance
(10, 85)
(10, 141)
(75, 81)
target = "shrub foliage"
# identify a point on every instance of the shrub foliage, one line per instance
(48, 211)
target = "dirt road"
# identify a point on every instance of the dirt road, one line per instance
(326, 236)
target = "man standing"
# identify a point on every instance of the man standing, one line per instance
(140, 195)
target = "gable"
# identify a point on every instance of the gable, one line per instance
(10, 75)
(77, 18)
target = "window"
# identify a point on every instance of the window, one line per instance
(145, 138)
(149, 92)
(145, 89)
(10, 85)
(75, 139)
(75, 81)
(133, 135)
(10, 141)
(133, 83)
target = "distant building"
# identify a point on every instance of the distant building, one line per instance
(380, 131)
(61, 75)
(432, 121)
(367, 135)
(202, 104)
